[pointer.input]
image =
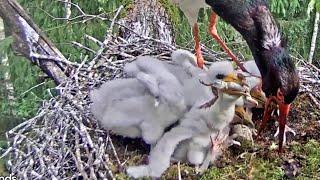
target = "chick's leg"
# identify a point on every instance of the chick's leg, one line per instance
(200, 60)
(214, 34)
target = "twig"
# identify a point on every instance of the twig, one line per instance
(108, 35)
(82, 46)
(179, 171)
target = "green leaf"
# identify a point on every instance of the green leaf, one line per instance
(5, 44)
(318, 5)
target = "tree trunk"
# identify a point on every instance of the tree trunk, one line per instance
(9, 91)
(30, 42)
(314, 37)
(147, 19)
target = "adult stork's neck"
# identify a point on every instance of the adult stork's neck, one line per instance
(266, 37)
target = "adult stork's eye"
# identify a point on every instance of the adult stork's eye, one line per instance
(220, 76)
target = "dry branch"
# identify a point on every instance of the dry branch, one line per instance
(310, 82)
(30, 41)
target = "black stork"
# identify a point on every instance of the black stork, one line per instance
(280, 79)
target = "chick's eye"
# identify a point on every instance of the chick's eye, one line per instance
(220, 76)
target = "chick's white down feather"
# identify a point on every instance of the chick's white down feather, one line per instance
(156, 77)
(196, 123)
(184, 67)
(112, 91)
(133, 116)
(253, 79)
(252, 68)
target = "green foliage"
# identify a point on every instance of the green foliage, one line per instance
(3, 170)
(313, 4)
(286, 8)
(63, 32)
(260, 167)
(266, 169)
(311, 164)
(255, 168)
(5, 45)
(297, 28)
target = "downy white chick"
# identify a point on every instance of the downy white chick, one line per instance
(199, 151)
(199, 145)
(197, 122)
(161, 83)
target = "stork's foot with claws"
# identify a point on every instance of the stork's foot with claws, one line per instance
(286, 129)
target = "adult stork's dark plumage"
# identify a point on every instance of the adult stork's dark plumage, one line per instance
(280, 80)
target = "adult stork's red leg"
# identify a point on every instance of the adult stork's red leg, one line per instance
(200, 60)
(214, 34)
(283, 110)
(266, 115)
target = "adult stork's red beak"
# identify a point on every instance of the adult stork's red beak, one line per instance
(283, 110)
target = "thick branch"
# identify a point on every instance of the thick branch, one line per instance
(29, 40)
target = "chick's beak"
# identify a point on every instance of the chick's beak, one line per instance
(259, 96)
(237, 88)
(250, 102)
(242, 114)
(236, 78)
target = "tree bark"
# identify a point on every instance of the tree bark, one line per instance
(30, 42)
(147, 19)
(314, 37)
